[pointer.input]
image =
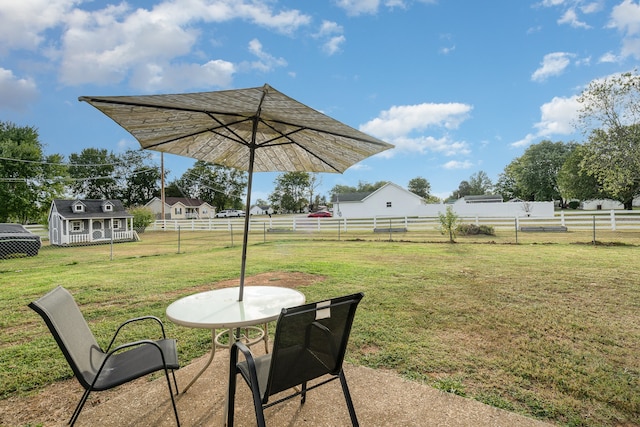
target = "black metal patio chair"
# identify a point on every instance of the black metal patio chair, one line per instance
(310, 342)
(99, 370)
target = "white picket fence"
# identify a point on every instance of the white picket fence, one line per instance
(573, 220)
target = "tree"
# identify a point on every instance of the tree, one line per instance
(314, 182)
(291, 191)
(610, 115)
(29, 180)
(93, 174)
(464, 189)
(142, 178)
(480, 183)
(220, 186)
(449, 223)
(613, 159)
(419, 186)
(507, 186)
(477, 185)
(363, 187)
(574, 182)
(533, 176)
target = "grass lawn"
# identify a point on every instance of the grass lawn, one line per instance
(547, 330)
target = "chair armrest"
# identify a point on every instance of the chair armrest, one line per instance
(250, 361)
(136, 319)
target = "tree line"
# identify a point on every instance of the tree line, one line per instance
(605, 165)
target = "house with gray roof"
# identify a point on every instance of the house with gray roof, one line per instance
(181, 208)
(89, 221)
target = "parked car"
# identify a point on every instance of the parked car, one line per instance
(320, 214)
(228, 213)
(15, 239)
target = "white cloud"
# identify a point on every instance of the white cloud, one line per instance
(427, 144)
(116, 43)
(405, 119)
(609, 57)
(16, 93)
(154, 77)
(22, 23)
(571, 17)
(553, 64)
(625, 17)
(359, 7)
(456, 164)
(332, 33)
(333, 45)
(266, 62)
(557, 118)
(404, 126)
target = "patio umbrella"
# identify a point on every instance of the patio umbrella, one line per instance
(255, 130)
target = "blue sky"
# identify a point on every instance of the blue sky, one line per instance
(457, 86)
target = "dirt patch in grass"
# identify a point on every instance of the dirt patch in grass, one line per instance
(55, 403)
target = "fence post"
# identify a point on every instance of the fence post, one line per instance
(613, 220)
(594, 229)
(516, 221)
(178, 239)
(111, 256)
(562, 218)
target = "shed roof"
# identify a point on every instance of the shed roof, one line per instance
(92, 209)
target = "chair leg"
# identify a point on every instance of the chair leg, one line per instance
(347, 397)
(173, 401)
(231, 392)
(79, 407)
(257, 405)
(173, 372)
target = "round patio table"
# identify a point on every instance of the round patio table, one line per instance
(220, 309)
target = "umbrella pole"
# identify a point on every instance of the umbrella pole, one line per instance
(245, 236)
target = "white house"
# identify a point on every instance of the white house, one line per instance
(388, 200)
(260, 210)
(601, 204)
(391, 200)
(89, 221)
(181, 208)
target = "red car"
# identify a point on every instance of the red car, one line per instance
(320, 214)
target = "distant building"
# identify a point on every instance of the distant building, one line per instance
(260, 210)
(391, 200)
(181, 208)
(89, 221)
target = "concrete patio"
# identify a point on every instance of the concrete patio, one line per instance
(380, 398)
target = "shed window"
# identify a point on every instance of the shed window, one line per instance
(108, 208)
(178, 211)
(388, 204)
(77, 226)
(78, 208)
(116, 224)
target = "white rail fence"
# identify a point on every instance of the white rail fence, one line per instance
(613, 220)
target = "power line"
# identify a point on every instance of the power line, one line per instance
(60, 164)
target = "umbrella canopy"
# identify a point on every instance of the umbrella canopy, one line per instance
(255, 130)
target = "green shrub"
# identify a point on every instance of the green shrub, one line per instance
(142, 217)
(574, 204)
